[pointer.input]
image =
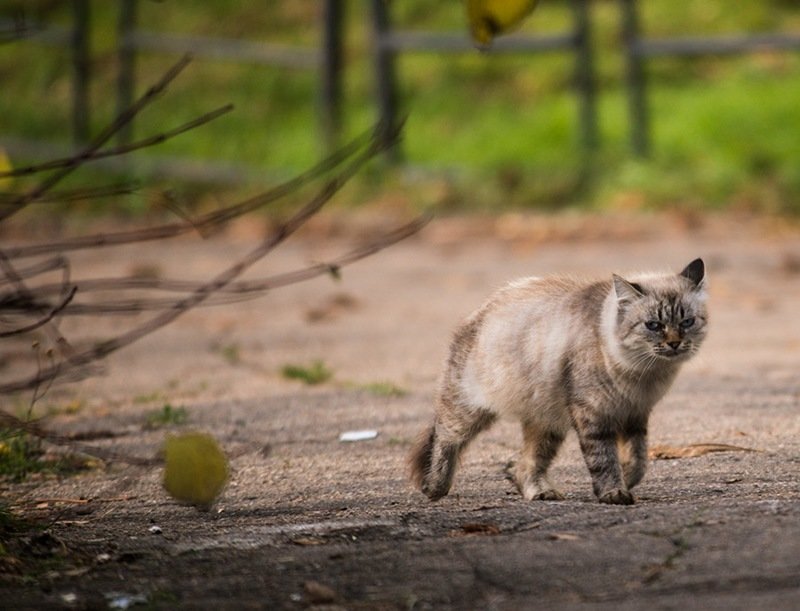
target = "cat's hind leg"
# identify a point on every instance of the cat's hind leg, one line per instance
(539, 448)
(632, 446)
(434, 458)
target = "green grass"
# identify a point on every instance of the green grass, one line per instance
(383, 389)
(22, 455)
(484, 131)
(166, 416)
(313, 374)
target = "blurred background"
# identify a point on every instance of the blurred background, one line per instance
(591, 104)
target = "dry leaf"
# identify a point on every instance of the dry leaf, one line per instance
(563, 537)
(693, 450)
(477, 528)
(308, 541)
(318, 593)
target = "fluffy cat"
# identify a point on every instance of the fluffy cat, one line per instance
(557, 353)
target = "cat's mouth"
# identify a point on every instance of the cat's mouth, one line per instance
(672, 352)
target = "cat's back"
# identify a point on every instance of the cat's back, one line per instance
(517, 343)
(564, 296)
(541, 314)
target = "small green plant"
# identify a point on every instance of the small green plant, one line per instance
(22, 455)
(148, 397)
(231, 353)
(384, 389)
(316, 373)
(166, 416)
(19, 456)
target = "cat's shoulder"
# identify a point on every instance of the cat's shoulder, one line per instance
(553, 285)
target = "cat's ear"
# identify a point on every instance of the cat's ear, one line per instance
(626, 291)
(695, 271)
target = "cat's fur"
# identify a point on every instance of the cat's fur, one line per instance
(557, 353)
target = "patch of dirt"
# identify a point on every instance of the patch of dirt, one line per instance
(309, 521)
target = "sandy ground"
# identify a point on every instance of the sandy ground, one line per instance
(307, 520)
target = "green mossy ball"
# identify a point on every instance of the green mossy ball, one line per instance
(196, 469)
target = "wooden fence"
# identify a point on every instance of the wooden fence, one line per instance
(639, 48)
(389, 43)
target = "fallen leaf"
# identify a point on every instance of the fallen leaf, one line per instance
(563, 537)
(693, 450)
(318, 593)
(308, 541)
(332, 308)
(477, 528)
(195, 468)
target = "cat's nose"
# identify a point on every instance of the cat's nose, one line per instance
(674, 345)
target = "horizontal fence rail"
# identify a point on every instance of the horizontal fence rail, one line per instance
(638, 48)
(389, 43)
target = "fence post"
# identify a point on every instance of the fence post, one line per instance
(81, 63)
(332, 64)
(584, 74)
(386, 81)
(127, 66)
(635, 77)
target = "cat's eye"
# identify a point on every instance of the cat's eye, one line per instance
(653, 325)
(687, 322)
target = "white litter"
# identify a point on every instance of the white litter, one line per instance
(358, 435)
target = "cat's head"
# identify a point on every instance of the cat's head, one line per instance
(661, 318)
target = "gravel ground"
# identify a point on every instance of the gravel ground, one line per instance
(307, 520)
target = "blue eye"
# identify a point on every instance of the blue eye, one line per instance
(687, 322)
(654, 325)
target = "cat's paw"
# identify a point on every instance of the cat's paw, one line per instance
(545, 495)
(617, 496)
(540, 491)
(434, 492)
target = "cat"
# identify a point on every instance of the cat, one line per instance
(560, 353)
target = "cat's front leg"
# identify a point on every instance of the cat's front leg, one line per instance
(599, 447)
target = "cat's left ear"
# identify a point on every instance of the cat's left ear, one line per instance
(696, 272)
(626, 291)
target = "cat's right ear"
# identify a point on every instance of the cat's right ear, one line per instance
(626, 291)
(695, 271)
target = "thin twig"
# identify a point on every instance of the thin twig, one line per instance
(79, 194)
(46, 319)
(232, 293)
(121, 121)
(123, 149)
(12, 423)
(101, 350)
(207, 222)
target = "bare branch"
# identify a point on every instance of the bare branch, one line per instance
(80, 194)
(68, 162)
(46, 319)
(206, 222)
(378, 143)
(232, 293)
(121, 121)
(12, 423)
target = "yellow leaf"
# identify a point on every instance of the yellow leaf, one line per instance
(489, 18)
(693, 450)
(196, 468)
(5, 166)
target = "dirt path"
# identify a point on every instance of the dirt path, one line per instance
(309, 520)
